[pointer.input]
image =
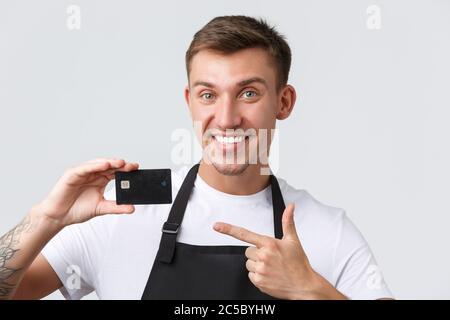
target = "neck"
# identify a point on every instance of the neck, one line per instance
(247, 183)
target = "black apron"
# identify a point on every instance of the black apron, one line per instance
(184, 271)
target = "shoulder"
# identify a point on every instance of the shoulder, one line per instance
(320, 223)
(308, 208)
(318, 220)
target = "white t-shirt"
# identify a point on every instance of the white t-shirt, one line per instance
(114, 254)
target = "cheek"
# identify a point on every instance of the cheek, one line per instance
(201, 118)
(260, 116)
(198, 112)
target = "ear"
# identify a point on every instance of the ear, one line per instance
(187, 96)
(288, 96)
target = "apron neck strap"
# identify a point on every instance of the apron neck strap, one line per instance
(278, 207)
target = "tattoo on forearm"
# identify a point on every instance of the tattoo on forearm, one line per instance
(9, 246)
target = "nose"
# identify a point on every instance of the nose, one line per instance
(228, 115)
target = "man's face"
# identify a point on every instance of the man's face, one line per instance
(234, 98)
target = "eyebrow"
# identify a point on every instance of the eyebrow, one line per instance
(242, 83)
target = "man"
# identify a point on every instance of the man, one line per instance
(228, 233)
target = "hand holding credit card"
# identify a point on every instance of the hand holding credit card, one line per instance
(147, 186)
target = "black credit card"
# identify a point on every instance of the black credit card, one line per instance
(147, 186)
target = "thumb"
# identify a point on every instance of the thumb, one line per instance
(289, 230)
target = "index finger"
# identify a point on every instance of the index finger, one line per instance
(241, 234)
(103, 167)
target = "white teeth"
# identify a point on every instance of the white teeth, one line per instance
(229, 140)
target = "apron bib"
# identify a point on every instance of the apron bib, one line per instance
(183, 271)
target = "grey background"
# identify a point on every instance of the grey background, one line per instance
(369, 132)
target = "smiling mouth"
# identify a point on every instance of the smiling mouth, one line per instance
(228, 140)
(230, 143)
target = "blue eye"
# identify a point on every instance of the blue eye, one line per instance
(207, 96)
(249, 94)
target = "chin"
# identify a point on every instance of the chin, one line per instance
(230, 169)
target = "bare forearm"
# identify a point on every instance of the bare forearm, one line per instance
(20, 246)
(321, 290)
